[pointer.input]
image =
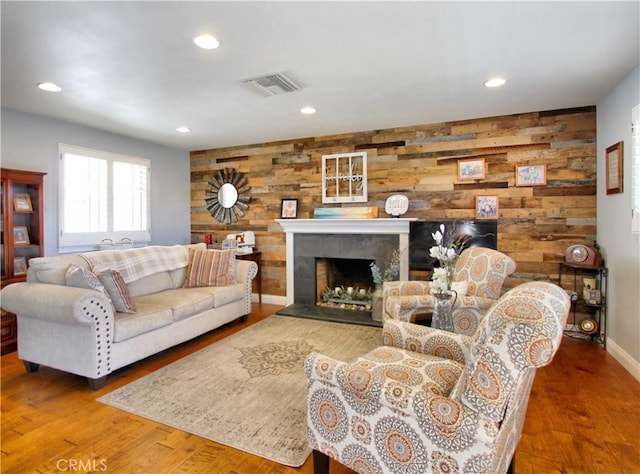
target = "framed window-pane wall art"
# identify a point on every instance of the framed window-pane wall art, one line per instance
(614, 164)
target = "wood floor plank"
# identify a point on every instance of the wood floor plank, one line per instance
(583, 417)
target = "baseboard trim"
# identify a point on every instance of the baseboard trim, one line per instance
(270, 299)
(628, 362)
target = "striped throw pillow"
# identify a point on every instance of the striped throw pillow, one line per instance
(210, 268)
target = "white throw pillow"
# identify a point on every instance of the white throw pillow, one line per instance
(460, 287)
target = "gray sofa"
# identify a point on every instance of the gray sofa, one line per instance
(77, 330)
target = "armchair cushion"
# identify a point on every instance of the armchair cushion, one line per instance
(426, 340)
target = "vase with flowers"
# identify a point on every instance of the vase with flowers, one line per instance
(447, 251)
(391, 273)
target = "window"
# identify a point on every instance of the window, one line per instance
(102, 196)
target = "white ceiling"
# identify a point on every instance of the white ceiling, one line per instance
(131, 67)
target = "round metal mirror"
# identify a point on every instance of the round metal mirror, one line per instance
(225, 195)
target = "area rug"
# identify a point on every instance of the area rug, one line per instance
(247, 391)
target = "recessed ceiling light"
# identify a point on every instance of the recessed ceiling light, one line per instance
(183, 129)
(308, 110)
(206, 42)
(495, 82)
(49, 87)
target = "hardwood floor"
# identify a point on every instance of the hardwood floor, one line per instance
(583, 417)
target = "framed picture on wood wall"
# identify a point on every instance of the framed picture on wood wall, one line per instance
(486, 207)
(289, 209)
(471, 169)
(614, 164)
(531, 175)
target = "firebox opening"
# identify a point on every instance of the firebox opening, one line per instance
(344, 282)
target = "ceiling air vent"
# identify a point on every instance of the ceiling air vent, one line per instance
(272, 84)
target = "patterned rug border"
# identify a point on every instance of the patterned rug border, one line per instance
(264, 362)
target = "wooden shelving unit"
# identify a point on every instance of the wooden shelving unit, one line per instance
(22, 236)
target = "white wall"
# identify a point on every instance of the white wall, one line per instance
(30, 142)
(620, 248)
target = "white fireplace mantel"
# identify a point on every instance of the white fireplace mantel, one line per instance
(397, 226)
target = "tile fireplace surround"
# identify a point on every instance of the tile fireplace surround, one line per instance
(308, 239)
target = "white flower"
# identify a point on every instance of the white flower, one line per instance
(439, 281)
(446, 251)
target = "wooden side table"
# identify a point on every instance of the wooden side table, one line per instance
(254, 257)
(9, 332)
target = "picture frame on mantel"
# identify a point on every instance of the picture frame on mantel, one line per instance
(614, 168)
(289, 208)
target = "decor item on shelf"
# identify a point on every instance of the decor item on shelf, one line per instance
(588, 326)
(345, 213)
(226, 200)
(20, 235)
(289, 208)
(109, 244)
(246, 241)
(580, 255)
(396, 205)
(22, 203)
(344, 177)
(19, 266)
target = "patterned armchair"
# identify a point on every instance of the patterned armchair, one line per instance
(479, 271)
(435, 401)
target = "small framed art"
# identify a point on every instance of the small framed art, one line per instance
(531, 175)
(486, 207)
(289, 209)
(22, 203)
(614, 164)
(20, 235)
(19, 266)
(471, 169)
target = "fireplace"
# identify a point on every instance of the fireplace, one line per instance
(345, 283)
(310, 240)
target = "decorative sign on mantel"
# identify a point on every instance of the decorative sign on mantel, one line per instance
(345, 213)
(344, 177)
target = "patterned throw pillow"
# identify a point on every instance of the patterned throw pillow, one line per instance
(118, 290)
(80, 278)
(210, 268)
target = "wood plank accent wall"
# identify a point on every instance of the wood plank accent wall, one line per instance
(536, 223)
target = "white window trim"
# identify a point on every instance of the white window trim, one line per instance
(83, 241)
(635, 169)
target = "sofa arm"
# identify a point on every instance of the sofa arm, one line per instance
(246, 270)
(57, 303)
(426, 340)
